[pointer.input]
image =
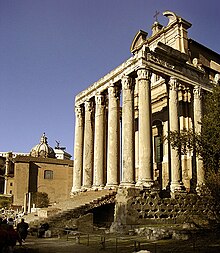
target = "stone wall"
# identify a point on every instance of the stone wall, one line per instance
(136, 207)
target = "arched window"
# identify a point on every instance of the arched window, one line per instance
(48, 174)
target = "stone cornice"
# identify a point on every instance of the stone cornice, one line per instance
(104, 82)
(28, 159)
(164, 61)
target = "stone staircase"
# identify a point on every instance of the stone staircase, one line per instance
(65, 213)
(83, 198)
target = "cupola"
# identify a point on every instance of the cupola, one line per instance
(43, 149)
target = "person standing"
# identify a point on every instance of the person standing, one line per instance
(22, 229)
(13, 237)
(3, 237)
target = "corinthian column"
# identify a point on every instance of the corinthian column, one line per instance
(113, 156)
(197, 126)
(99, 149)
(78, 150)
(88, 146)
(145, 128)
(127, 132)
(176, 184)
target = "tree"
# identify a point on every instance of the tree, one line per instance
(210, 135)
(40, 199)
(207, 143)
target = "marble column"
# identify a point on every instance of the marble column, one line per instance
(25, 203)
(99, 140)
(128, 143)
(88, 153)
(7, 167)
(136, 132)
(78, 149)
(197, 126)
(29, 202)
(113, 155)
(145, 128)
(176, 184)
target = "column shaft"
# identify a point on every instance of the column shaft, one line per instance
(7, 167)
(78, 150)
(197, 126)
(127, 132)
(145, 127)
(113, 155)
(174, 126)
(99, 149)
(88, 153)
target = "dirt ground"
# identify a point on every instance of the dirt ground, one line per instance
(96, 244)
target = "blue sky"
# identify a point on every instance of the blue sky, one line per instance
(50, 50)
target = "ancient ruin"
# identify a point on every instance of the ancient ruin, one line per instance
(122, 118)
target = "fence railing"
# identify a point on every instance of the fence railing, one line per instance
(120, 244)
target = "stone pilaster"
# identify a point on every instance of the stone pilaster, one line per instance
(113, 156)
(145, 128)
(176, 184)
(197, 125)
(78, 149)
(128, 165)
(88, 153)
(99, 149)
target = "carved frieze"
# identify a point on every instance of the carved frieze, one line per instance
(157, 59)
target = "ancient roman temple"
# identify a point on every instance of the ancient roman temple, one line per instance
(121, 120)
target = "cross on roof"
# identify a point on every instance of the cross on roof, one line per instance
(156, 15)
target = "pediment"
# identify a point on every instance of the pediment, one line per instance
(138, 41)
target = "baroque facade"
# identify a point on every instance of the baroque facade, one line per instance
(122, 118)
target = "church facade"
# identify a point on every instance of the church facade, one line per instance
(121, 119)
(44, 169)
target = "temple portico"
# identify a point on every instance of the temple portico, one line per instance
(122, 118)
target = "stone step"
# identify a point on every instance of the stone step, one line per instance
(71, 208)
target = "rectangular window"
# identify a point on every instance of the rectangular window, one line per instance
(158, 145)
(48, 174)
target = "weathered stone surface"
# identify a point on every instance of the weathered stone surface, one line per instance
(150, 208)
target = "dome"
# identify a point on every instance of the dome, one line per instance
(43, 149)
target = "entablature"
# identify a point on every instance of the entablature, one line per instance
(163, 61)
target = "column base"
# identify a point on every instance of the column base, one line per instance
(127, 184)
(74, 191)
(111, 186)
(86, 188)
(177, 187)
(97, 187)
(144, 184)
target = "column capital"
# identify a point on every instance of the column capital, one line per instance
(113, 90)
(144, 73)
(197, 91)
(173, 83)
(99, 99)
(88, 106)
(126, 82)
(79, 111)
